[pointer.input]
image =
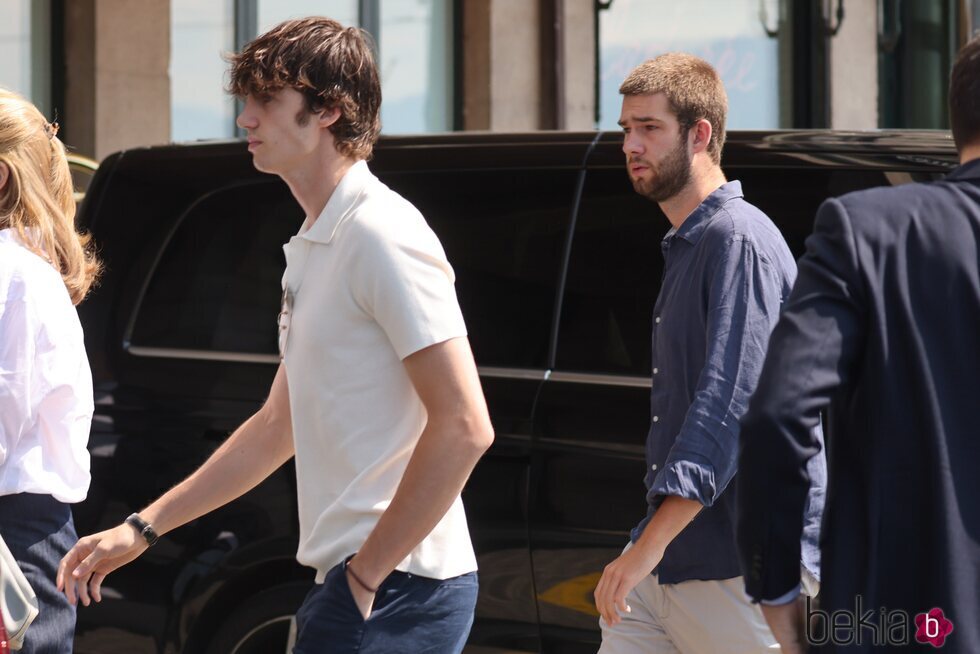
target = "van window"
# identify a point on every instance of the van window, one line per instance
(503, 232)
(217, 285)
(616, 264)
(613, 276)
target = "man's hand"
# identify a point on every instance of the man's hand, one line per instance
(82, 571)
(620, 577)
(786, 623)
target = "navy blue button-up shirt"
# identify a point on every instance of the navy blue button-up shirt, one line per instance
(727, 271)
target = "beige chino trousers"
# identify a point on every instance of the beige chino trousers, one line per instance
(692, 617)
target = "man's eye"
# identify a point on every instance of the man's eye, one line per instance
(626, 130)
(650, 128)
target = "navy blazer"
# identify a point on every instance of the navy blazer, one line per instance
(883, 330)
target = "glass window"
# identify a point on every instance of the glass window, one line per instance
(503, 232)
(730, 35)
(217, 286)
(201, 32)
(613, 277)
(273, 12)
(25, 50)
(416, 66)
(917, 47)
(414, 40)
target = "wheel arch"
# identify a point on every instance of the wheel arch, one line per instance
(199, 620)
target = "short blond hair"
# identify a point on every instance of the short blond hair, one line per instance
(38, 201)
(693, 91)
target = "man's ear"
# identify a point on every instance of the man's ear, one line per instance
(328, 116)
(700, 135)
(4, 175)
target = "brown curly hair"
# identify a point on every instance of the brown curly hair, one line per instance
(330, 65)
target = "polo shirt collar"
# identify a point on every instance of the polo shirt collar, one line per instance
(341, 201)
(692, 227)
(968, 170)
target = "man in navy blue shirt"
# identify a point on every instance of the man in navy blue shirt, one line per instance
(678, 586)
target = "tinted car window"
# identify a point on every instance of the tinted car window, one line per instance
(613, 276)
(217, 285)
(616, 265)
(503, 232)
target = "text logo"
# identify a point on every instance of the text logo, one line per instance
(880, 628)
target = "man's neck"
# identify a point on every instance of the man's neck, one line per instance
(969, 153)
(313, 184)
(679, 207)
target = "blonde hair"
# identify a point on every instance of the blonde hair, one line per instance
(37, 201)
(692, 88)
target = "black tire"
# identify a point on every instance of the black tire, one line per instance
(261, 624)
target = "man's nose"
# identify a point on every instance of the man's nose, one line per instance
(245, 118)
(631, 144)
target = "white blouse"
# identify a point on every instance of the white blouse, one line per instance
(45, 381)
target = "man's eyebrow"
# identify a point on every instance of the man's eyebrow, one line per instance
(640, 119)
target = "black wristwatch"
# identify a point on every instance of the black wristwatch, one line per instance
(144, 528)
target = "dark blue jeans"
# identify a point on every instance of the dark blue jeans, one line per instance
(411, 614)
(39, 530)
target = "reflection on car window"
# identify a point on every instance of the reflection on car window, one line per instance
(218, 283)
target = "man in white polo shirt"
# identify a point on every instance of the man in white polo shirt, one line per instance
(377, 396)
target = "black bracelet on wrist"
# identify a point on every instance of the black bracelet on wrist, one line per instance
(144, 528)
(360, 582)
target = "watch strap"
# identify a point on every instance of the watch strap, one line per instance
(144, 528)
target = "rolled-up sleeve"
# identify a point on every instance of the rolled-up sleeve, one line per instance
(743, 299)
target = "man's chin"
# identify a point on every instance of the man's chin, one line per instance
(262, 167)
(641, 186)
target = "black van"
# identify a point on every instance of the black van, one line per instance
(558, 264)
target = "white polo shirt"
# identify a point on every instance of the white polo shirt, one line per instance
(369, 284)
